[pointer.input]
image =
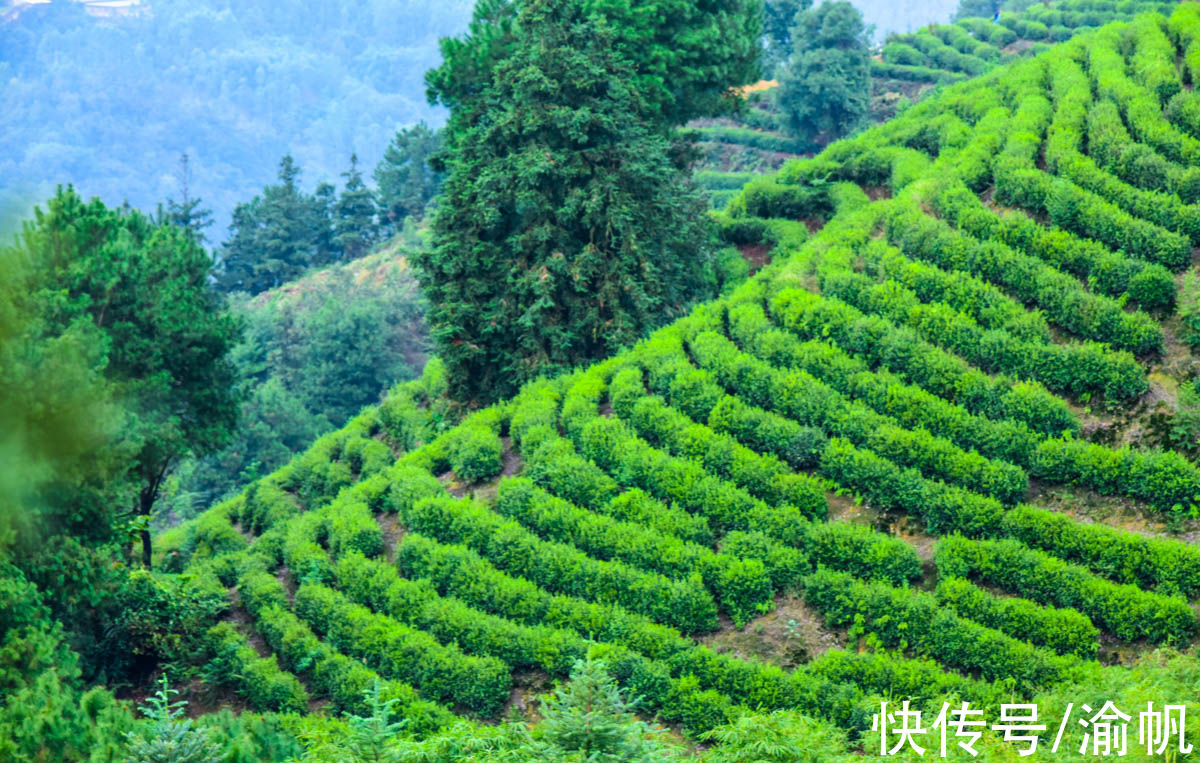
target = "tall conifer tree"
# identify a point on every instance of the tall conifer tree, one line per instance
(566, 227)
(354, 215)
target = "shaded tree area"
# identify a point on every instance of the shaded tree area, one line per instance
(825, 83)
(113, 366)
(283, 232)
(567, 227)
(405, 177)
(315, 352)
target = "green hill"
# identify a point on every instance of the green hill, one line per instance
(917, 456)
(316, 350)
(908, 67)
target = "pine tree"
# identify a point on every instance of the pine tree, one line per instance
(406, 179)
(276, 236)
(566, 227)
(354, 228)
(588, 718)
(373, 736)
(165, 333)
(685, 57)
(825, 86)
(187, 213)
(169, 737)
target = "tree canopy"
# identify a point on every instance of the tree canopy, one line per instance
(165, 337)
(684, 56)
(566, 226)
(825, 85)
(406, 179)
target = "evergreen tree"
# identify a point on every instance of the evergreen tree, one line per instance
(406, 179)
(778, 20)
(588, 718)
(320, 225)
(354, 212)
(566, 227)
(168, 736)
(685, 57)
(825, 85)
(276, 236)
(186, 213)
(143, 288)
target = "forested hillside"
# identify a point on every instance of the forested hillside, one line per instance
(912, 457)
(111, 104)
(315, 351)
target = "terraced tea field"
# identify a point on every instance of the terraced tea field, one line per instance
(907, 459)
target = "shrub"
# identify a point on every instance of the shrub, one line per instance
(1063, 630)
(234, 663)
(1125, 611)
(906, 619)
(684, 603)
(1171, 566)
(442, 673)
(476, 453)
(743, 588)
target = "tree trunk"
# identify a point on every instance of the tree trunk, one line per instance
(146, 558)
(146, 507)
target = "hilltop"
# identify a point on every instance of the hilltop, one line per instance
(940, 447)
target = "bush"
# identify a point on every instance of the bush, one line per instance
(1170, 566)
(766, 197)
(1063, 630)
(1032, 281)
(901, 618)
(352, 527)
(556, 467)
(803, 398)
(765, 477)
(234, 663)
(1125, 611)
(441, 673)
(1164, 479)
(911, 406)
(1076, 369)
(476, 453)
(685, 603)
(934, 369)
(742, 136)
(743, 588)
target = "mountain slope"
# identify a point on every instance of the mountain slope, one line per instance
(987, 297)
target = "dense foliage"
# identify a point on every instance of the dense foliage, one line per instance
(824, 83)
(939, 449)
(566, 228)
(314, 353)
(235, 86)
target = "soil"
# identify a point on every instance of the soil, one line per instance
(242, 620)
(789, 636)
(393, 533)
(284, 576)
(1113, 511)
(757, 255)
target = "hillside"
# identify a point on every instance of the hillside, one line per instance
(316, 350)
(913, 61)
(110, 104)
(909, 458)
